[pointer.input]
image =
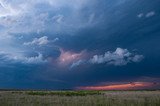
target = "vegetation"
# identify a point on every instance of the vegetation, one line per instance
(64, 93)
(79, 98)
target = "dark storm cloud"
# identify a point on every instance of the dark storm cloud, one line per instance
(53, 40)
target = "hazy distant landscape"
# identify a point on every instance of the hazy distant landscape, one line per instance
(80, 98)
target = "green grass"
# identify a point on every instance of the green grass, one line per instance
(79, 98)
(64, 93)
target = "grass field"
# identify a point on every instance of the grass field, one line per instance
(79, 98)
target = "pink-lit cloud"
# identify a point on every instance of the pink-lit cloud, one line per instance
(68, 57)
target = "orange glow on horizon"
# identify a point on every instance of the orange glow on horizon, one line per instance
(127, 86)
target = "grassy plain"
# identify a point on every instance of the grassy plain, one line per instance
(79, 98)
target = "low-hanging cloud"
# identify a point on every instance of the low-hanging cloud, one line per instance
(150, 14)
(38, 41)
(18, 58)
(77, 63)
(35, 60)
(147, 15)
(119, 57)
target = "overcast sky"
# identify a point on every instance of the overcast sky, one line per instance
(69, 44)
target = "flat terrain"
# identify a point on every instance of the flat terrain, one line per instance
(79, 98)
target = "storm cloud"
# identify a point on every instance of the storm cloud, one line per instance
(62, 44)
